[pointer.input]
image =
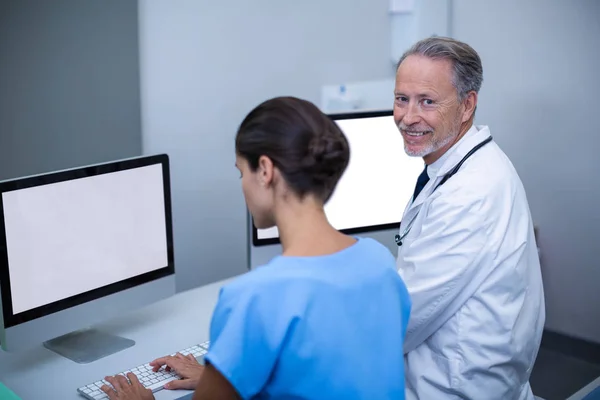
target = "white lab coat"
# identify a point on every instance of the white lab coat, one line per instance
(471, 265)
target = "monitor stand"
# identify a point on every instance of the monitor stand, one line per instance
(87, 345)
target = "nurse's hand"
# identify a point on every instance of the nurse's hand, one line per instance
(128, 388)
(186, 367)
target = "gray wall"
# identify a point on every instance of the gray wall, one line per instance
(69, 84)
(541, 63)
(204, 65)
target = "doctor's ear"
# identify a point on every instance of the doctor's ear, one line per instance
(265, 171)
(470, 105)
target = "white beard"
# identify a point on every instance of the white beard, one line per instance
(432, 147)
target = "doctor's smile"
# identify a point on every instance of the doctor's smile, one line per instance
(414, 133)
(416, 137)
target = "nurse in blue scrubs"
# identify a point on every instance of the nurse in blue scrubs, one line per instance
(327, 318)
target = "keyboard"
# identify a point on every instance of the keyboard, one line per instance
(154, 381)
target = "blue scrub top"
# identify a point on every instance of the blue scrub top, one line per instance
(326, 327)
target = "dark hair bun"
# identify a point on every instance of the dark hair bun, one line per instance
(326, 152)
(307, 147)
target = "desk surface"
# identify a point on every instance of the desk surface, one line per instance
(158, 329)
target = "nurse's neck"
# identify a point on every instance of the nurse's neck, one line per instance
(304, 230)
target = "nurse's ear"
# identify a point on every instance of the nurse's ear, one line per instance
(265, 171)
(469, 104)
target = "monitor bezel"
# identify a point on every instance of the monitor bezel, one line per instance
(258, 242)
(11, 319)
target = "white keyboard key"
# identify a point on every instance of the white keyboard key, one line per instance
(156, 386)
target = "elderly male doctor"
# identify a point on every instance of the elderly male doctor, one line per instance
(467, 250)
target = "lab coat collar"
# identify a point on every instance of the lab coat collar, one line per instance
(475, 135)
(436, 171)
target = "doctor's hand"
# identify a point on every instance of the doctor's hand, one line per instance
(186, 367)
(128, 388)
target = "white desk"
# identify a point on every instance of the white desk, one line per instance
(159, 329)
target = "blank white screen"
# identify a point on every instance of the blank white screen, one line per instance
(379, 180)
(71, 237)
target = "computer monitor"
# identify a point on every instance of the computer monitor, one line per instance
(376, 186)
(79, 246)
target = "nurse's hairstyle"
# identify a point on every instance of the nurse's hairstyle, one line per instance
(468, 71)
(307, 147)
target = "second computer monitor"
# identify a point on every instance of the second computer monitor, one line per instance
(376, 186)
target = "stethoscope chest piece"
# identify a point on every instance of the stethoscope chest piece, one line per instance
(398, 240)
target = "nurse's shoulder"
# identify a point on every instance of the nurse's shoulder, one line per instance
(367, 257)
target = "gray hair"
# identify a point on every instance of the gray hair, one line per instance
(468, 71)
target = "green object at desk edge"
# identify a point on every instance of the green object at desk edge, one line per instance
(7, 394)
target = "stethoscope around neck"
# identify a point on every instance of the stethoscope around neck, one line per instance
(400, 237)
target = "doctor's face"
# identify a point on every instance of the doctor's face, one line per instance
(426, 107)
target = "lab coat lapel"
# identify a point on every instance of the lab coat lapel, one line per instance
(413, 207)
